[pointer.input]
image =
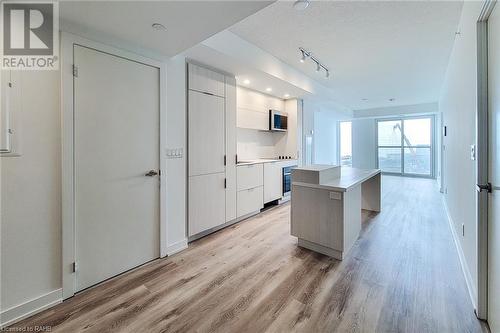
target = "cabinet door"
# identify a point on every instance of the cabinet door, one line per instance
(252, 119)
(249, 176)
(230, 148)
(249, 201)
(272, 181)
(205, 80)
(206, 204)
(206, 133)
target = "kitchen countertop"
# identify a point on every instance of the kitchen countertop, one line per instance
(264, 160)
(349, 177)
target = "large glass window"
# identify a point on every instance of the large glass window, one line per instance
(346, 143)
(404, 146)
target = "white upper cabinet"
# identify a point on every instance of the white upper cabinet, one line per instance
(206, 81)
(253, 109)
(206, 134)
(251, 119)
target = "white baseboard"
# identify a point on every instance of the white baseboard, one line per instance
(29, 308)
(177, 247)
(465, 268)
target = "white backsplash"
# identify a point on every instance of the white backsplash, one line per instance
(252, 144)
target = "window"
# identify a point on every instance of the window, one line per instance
(404, 146)
(345, 143)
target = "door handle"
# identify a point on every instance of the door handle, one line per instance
(151, 173)
(484, 187)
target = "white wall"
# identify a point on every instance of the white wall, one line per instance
(401, 110)
(176, 167)
(458, 104)
(288, 144)
(31, 195)
(325, 135)
(364, 143)
(321, 121)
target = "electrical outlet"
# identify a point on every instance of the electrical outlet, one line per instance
(335, 196)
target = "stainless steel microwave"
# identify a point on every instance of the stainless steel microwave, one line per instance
(278, 121)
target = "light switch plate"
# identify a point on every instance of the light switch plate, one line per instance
(174, 152)
(473, 152)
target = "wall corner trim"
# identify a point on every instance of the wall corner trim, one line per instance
(29, 308)
(177, 247)
(463, 263)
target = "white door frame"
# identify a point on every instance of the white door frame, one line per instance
(67, 111)
(482, 159)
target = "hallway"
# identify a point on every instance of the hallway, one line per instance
(402, 275)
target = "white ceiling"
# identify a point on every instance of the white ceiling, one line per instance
(375, 50)
(129, 22)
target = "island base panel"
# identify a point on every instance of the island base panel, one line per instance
(320, 249)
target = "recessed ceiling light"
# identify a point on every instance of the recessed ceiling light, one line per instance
(301, 4)
(269, 89)
(286, 95)
(246, 81)
(392, 99)
(158, 26)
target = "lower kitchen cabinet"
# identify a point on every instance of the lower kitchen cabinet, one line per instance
(273, 181)
(207, 202)
(249, 200)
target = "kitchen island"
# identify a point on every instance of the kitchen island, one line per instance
(326, 206)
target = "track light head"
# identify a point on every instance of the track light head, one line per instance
(318, 67)
(327, 75)
(303, 58)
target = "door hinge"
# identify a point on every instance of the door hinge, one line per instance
(75, 71)
(484, 187)
(224, 160)
(10, 84)
(225, 182)
(236, 159)
(74, 267)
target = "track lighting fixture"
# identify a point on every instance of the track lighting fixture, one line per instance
(303, 59)
(306, 54)
(301, 4)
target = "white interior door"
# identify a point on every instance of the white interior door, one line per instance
(116, 142)
(494, 170)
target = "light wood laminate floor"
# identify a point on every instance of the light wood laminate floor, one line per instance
(403, 275)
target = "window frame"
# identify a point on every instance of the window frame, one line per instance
(339, 142)
(403, 146)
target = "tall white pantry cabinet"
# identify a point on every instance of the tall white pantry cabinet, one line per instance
(211, 149)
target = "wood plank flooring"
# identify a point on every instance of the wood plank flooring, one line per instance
(403, 275)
